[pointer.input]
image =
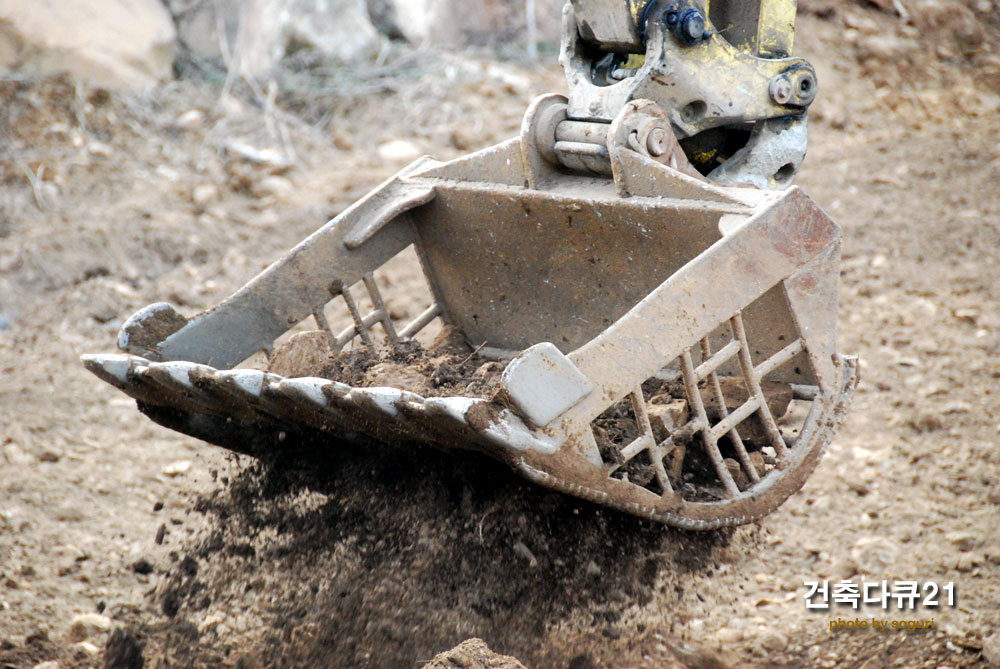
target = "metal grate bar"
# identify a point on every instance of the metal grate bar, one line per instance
(713, 362)
(348, 333)
(779, 358)
(360, 327)
(736, 417)
(711, 444)
(379, 307)
(716, 387)
(753, 387)
(324, 323)
(421, 321)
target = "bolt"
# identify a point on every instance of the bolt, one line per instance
(806, 88)
(691, 25)
(780, 89)
(595, 106)
(657, 142)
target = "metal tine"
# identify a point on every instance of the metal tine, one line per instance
(115, 369)
(127, 373)
(346, 410)
(302, 399)
(779, 358)
(211, 384)
(711, 444)
(421, 321)
(711, 362)
(753, 387)
(379, 308)
(360, 327)
(382, 408)
(324, 324)
(245, 384)
(381, 402)
(172, 386)
(645, 438)
(656, 454)
(720, 398)
(428, 422)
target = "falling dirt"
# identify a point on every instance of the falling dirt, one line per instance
(382, 556)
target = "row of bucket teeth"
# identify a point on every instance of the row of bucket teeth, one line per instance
(389, 414)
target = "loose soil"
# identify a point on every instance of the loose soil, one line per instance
(339, 554)
(447, 367)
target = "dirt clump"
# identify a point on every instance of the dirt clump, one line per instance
(445, 368)
(472, 654)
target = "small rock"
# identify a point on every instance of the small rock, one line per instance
(190, 120)
(37, 638)
(87, 648)
(967, 315)
(270, 157)
(736, 471)
(964, 541)
(772, 640)
(665, 418)
(88, 625)
(16, 455)
(968, 561)
(991, 649)
(521, 549)
(48, 456)
(124, 650)
(142, 566)
(204, 194)
(99, 149)
(274, 186)
(399, 151)
(51, 664)
(177, 468)
(728, 636)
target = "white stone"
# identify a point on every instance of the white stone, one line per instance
(991, 650)
(125, 45)
(204, 194)
(190, 120)
(177, 468)
(87, 648)
(51, 664)
(274, 186)
(399, 151)
(88, 625)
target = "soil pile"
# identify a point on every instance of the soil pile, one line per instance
(383, 556)
(448, 367)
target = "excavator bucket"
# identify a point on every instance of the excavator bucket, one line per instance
(654, 341)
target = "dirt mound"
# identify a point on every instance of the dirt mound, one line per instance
(447, 367)
(472, 654)
(383, 556)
